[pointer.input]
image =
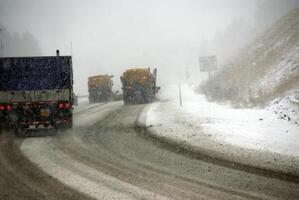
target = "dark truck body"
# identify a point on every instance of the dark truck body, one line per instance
(36, 91)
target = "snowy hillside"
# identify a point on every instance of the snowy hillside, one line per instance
(266, 70)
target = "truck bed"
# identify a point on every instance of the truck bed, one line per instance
(32, 79)
(35, 73)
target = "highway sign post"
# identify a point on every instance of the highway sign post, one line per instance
(208, 64)
(180, 95)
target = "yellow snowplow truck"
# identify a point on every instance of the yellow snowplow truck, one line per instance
(139, 85)
(100, 88)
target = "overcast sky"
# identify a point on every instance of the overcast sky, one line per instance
(110, 36)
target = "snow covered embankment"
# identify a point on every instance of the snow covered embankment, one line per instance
(287, 108)
(253, 137)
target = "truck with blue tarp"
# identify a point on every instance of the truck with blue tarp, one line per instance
(36, 92)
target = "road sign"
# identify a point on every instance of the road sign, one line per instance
(208, 63)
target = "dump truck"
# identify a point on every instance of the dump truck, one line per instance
(36, 92)
(139, 85)
(100, 88)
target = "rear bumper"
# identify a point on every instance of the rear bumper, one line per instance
(5, 123)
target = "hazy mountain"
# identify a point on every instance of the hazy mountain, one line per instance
(18, 44)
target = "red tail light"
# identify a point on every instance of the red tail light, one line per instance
(9, 107)
(2, 107)
(61, 105)
(67, 105)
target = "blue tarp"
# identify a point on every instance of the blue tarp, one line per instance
(35, 73)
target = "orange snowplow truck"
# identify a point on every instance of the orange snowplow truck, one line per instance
(139, 85)
(100, 88)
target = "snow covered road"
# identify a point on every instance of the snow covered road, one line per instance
(106, 157)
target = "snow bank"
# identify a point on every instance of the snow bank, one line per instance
(251, 136)
(287, 108)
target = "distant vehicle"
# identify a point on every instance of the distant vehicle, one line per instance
(139, 85)
(100, 88)
(36, 92)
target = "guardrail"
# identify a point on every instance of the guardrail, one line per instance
(82, 96)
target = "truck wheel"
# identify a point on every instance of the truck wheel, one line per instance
(69, 125)
(126, 102)
(125, 99)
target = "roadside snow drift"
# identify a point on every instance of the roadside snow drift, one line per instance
(251, 136)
